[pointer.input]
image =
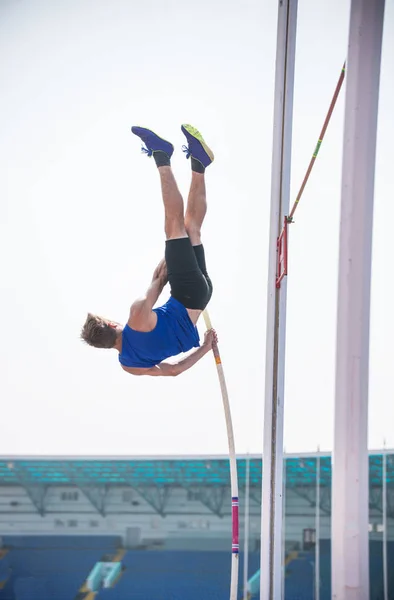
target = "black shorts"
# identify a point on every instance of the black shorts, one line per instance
(187, 273)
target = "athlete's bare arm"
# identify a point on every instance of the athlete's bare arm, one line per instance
(141, 317)
(165, 369)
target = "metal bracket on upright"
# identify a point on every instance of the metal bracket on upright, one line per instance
(281, 254)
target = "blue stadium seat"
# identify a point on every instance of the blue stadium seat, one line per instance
(102, 542)
(175, 575)
(32, 588)
(5, 570)
(57, 572)
(60, 564)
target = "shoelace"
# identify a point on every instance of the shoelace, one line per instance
(147, 151)
(186, 150)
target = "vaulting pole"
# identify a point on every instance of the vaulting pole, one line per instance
(233, 468)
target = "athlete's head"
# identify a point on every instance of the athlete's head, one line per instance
(99, 332)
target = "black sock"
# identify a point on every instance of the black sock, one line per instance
(197, 166)
(161, 159)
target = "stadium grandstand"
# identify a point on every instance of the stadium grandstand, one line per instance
(159, 528)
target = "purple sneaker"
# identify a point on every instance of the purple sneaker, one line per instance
(197, 147)
(152, 141)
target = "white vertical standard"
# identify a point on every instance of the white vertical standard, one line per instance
(384, 510)
(271, 517)
(350, 552)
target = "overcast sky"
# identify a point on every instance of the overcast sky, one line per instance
(81, 225)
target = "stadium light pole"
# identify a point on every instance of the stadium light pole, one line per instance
(272, 501)
(350, 550)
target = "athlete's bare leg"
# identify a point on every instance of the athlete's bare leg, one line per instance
(174, 224)
(196, 208)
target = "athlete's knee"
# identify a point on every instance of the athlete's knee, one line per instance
(194, 233)
(174, 228)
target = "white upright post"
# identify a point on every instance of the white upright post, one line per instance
(384, 511)
(350, 551)
(246, 539)
(317, 529)
(271, 519)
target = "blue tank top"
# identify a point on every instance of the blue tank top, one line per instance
(174, 333)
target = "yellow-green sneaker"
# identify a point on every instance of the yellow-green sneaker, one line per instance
(197, 148)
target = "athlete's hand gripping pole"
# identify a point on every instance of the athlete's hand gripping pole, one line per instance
(233, 466)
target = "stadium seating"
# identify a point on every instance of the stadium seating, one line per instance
(55, 568)
(32, 588)
(5, 570)
(325, 570)
(175, 575)
(52, 567)
(299, 582)
(100, 542)
(299, 579)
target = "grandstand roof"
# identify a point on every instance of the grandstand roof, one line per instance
(158, 471)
